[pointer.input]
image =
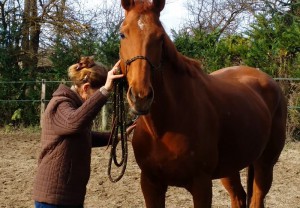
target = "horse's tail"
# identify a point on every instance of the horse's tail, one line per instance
(250, 180)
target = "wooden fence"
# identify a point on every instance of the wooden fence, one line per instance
(104, 113)
(44, 101)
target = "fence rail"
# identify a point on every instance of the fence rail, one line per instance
(286, 79)
(43, 101)
(44, 83)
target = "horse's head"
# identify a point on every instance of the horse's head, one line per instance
(141, 50)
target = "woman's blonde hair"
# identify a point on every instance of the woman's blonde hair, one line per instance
(87, 71)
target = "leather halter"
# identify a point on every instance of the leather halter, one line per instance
(129, 61)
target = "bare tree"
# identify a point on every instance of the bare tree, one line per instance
(30, 34)
(43, 21)
(229, 16)
(225, 15)
(10, 27)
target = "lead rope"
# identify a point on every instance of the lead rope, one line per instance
(119, 125)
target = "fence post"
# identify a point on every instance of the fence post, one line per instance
(104, 118)
(43, 98)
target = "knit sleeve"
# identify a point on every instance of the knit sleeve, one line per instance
(67, 118)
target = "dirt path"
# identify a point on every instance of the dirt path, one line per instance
(19, 151)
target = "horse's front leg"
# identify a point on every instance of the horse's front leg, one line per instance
(154, 192)
(235, 189)
(201, 190)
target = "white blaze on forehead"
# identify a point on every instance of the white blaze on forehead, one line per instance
(141, 23)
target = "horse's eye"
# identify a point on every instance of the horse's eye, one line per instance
(122, 36)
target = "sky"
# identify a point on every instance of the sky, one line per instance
(174, 14)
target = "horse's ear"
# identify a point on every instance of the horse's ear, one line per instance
(127, 4)
(159, 4)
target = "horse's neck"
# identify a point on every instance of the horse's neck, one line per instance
(174, 85)
(180, 63)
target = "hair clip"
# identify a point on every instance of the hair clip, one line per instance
(79, 66)
(86, 77)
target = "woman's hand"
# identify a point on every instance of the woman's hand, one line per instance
(112, 75)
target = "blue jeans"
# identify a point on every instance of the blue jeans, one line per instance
(45, 205)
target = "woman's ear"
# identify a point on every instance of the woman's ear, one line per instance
(85, 87)
(83, 91)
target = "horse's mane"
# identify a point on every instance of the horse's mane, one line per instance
(181, 63)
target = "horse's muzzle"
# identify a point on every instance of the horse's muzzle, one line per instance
(139, 103)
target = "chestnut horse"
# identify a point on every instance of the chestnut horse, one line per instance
(196, 127)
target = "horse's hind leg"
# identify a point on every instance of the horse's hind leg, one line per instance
(154, 192)
(263, 167)
(235, 189)
(263, 177)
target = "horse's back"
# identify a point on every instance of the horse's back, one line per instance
(259, 120)
(260, 83)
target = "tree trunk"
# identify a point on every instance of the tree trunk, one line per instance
(31, 34)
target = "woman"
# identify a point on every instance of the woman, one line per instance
(64, 162)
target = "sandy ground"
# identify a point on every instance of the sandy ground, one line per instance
(19, 151)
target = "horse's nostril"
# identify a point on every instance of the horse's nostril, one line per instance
(140, 103)
(132, 96)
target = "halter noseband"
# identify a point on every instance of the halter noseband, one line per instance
(129, 61)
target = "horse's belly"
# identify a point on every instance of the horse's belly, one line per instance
(175, 173)
(238, 154)
(243, 136)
